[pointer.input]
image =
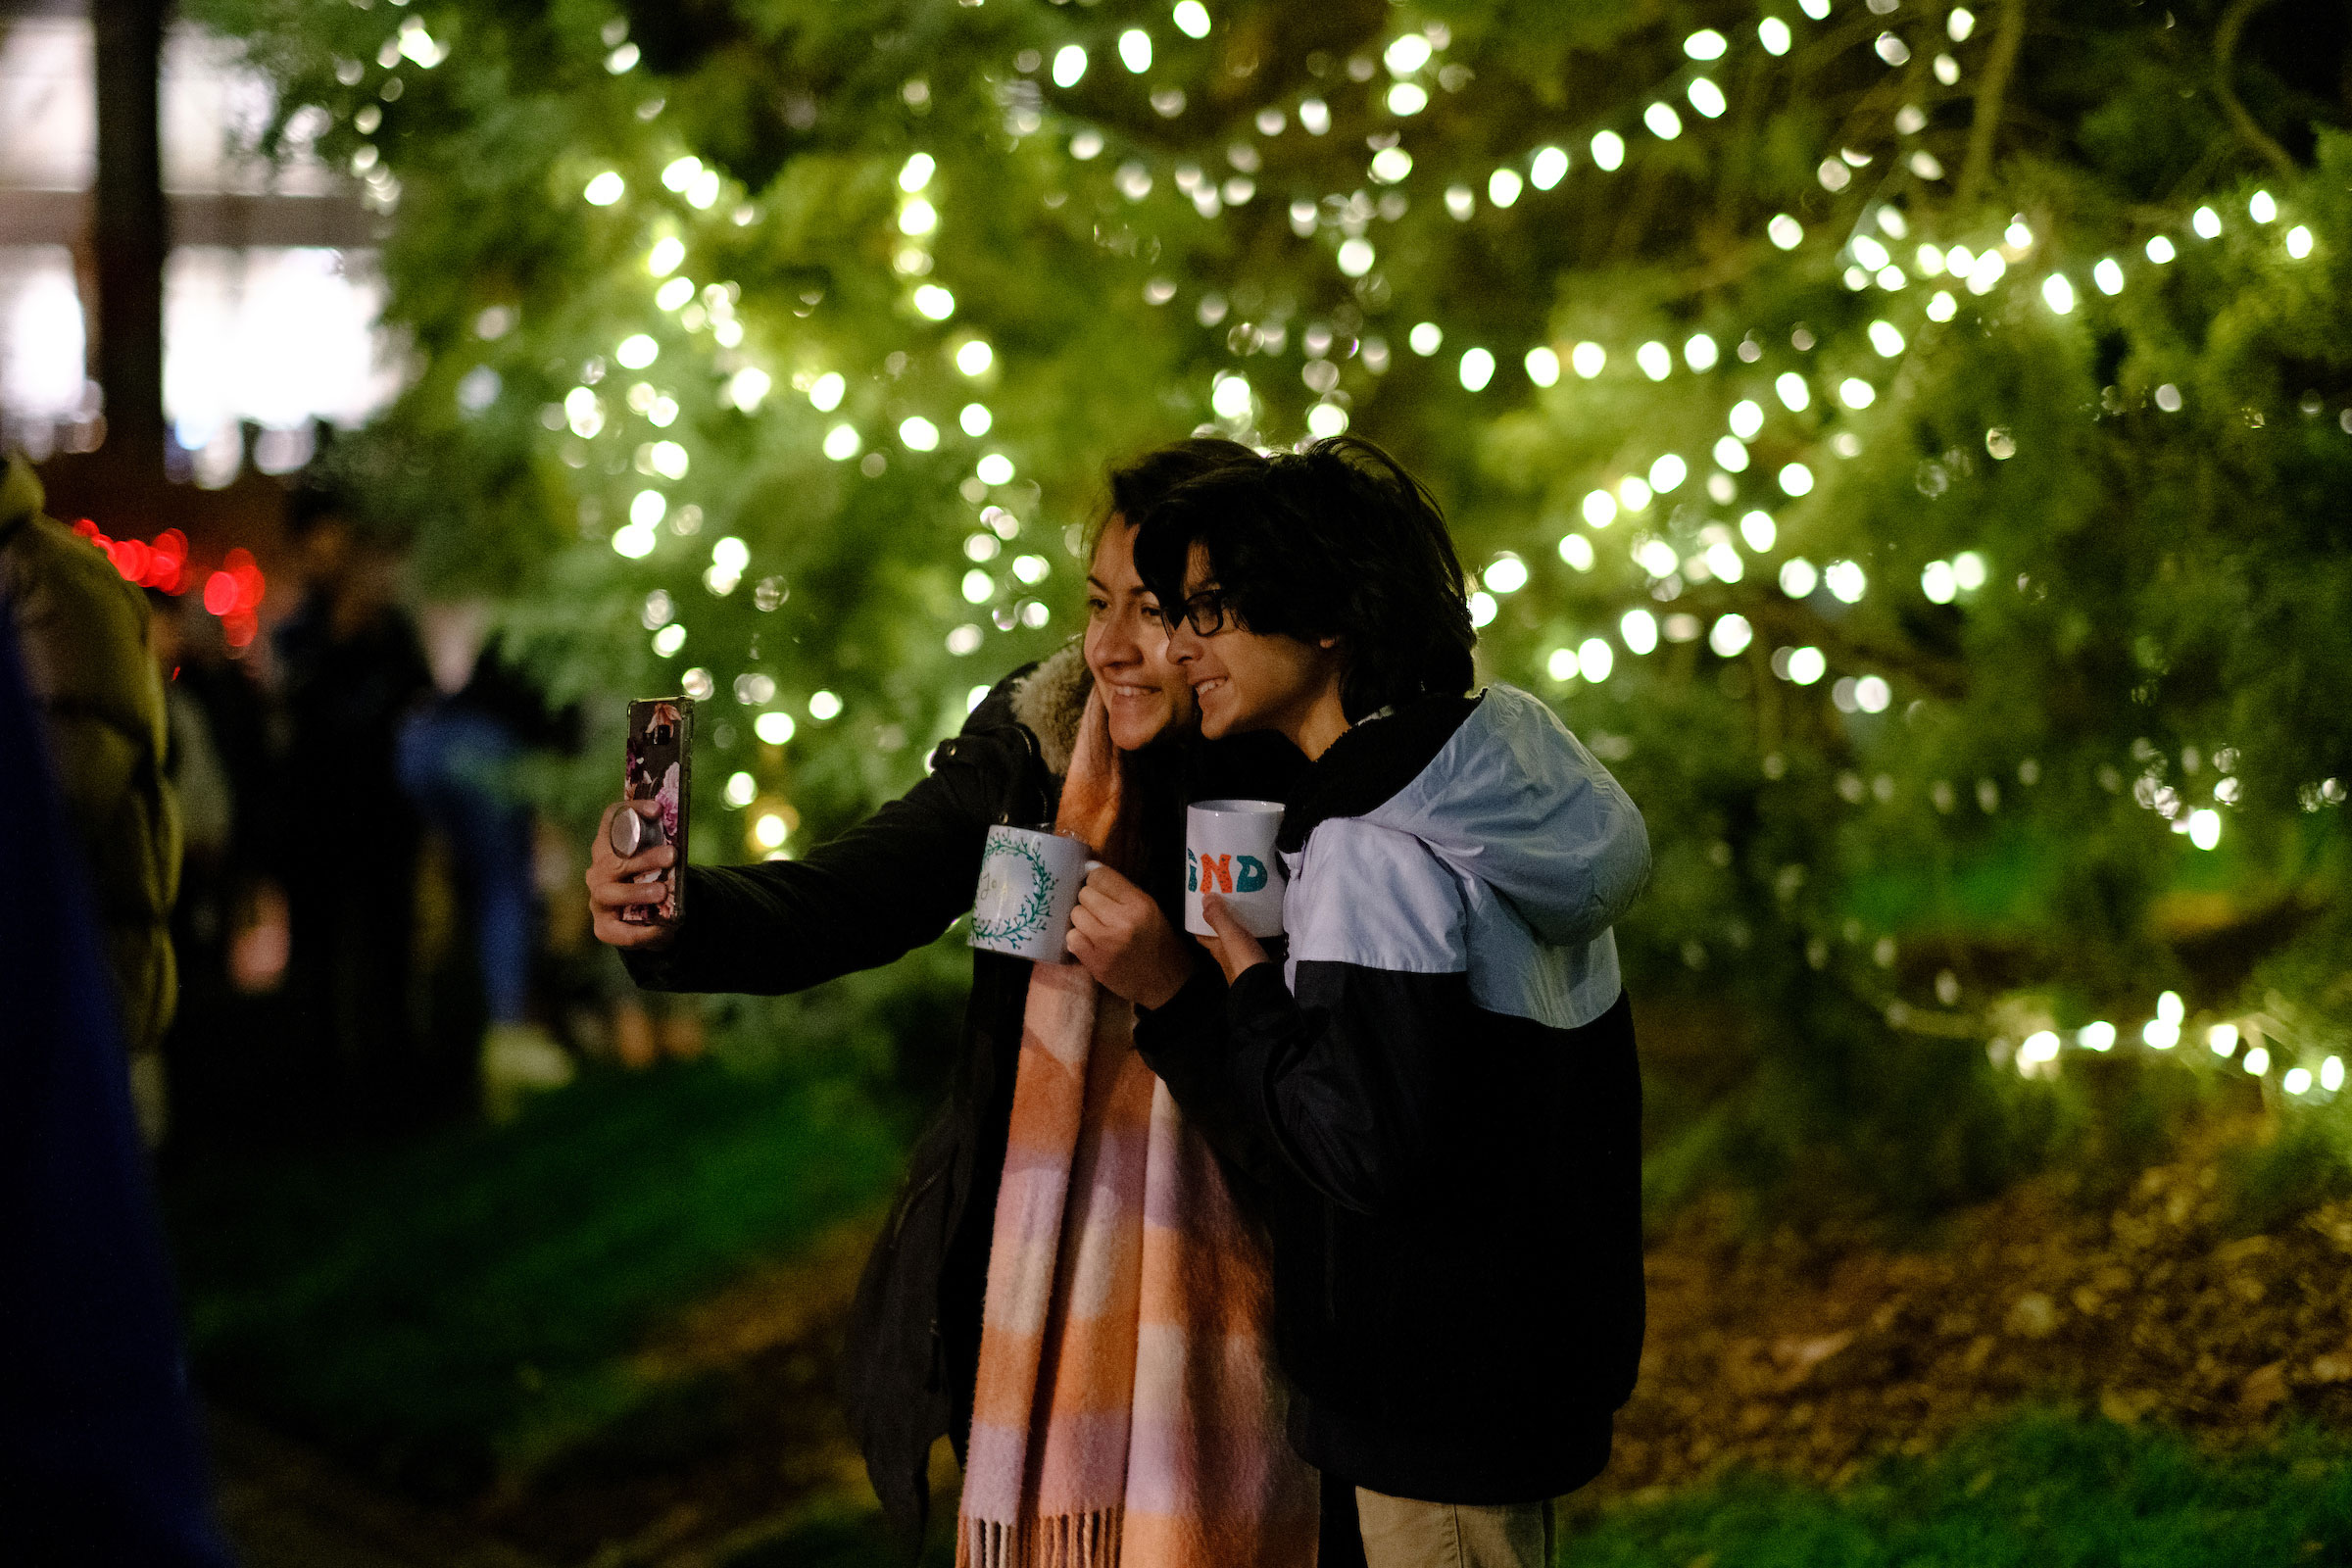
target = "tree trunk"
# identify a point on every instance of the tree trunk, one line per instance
(129, 228)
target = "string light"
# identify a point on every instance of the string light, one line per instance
(1408, 53)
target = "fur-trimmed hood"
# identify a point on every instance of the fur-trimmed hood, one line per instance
(1051, 701)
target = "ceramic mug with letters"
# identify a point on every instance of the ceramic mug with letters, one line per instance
(1228, 848)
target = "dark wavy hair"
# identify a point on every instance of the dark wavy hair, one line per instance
(1338, 541)
(1136, 488)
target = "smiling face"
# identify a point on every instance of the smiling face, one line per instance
(1127, 647)
(1245, 680)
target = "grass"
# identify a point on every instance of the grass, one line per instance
(460, 1306)
(2038, 1490)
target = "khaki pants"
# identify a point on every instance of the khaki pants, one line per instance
(1401, 1533)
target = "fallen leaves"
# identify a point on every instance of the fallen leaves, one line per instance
(1815, 1356)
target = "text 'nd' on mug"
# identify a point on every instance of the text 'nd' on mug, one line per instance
(1229, 850)
(1029, 884)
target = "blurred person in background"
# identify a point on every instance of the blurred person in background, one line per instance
(351, 670)
(457, 755)
(83, 635)
(227, 1061)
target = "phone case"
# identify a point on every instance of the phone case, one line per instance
(661, 768)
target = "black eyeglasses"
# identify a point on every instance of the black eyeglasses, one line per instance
(1204, 612)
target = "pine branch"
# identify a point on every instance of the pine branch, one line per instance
(2225, 50)
(1999, 66)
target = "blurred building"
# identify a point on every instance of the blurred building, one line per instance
(270, 291)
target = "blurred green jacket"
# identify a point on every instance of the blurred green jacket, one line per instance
(84, 632)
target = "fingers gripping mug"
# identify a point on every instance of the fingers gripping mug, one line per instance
(1029, 884)
(1228, 848)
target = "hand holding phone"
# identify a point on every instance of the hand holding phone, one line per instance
(634, 887)
(616, 881)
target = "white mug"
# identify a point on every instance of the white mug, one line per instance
(1029, 884)
(1229, 846)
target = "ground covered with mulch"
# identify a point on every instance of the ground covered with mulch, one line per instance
(1813, 1356)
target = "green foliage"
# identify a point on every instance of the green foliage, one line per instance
(463, 1307)
(2048, 1491)
(2090, 562)
(2306, 1164)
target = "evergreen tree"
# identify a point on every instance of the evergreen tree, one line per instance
(1910, 446)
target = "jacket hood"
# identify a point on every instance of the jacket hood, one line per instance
(1515, 800)
(1051, 701)
(20, 495)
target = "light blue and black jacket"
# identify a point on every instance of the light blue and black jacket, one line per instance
(1437, 1092)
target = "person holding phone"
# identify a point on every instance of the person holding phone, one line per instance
(1107, 717)
(1438, 1083)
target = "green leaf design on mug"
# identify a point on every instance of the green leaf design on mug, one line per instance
(1025, 923)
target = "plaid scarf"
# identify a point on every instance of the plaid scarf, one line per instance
(1127, 1414)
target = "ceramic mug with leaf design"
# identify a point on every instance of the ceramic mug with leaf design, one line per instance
(1029, 884)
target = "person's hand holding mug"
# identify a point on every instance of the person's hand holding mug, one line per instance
(613, 888)
(1124, 941)
(1233, 946)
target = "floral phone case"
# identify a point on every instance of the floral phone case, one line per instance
(660, 765)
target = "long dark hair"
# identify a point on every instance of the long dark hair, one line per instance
(1338, 541)
(1139, 485)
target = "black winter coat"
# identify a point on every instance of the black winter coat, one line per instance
(884, 888)
(1440, 1104)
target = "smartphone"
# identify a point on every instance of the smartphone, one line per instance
(661, 768)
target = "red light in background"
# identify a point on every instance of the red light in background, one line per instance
(130, 559)
(167, 559)
(251, 584)
(235, 590)
(238, 628)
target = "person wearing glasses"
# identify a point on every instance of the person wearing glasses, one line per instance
(1436, 1082)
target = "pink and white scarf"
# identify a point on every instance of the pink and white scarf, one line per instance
(1127, 1414)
